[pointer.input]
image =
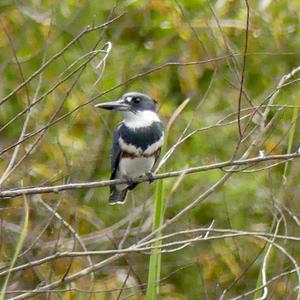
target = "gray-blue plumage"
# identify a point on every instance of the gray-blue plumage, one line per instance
(142, 137)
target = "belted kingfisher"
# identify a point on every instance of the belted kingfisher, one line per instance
(137, 141)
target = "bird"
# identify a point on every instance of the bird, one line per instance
(137, 141)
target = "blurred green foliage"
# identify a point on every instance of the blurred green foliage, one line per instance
(76, 148)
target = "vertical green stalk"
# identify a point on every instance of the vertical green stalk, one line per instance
(291, 140)
(158, 219)
(155, 258)
(18, 248)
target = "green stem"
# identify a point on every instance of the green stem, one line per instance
(155, 258)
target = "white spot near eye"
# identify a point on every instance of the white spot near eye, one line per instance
(128, 99)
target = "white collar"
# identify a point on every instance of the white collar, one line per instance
(140, 118)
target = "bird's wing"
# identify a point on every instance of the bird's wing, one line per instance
(116, 153)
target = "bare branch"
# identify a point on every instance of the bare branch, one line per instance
(97, 184)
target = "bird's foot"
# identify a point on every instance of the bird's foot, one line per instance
(150, 176)
(129, 180)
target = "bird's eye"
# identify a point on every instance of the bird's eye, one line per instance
(136, 99)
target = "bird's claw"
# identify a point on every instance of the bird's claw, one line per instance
(129, 180)
(150, 176)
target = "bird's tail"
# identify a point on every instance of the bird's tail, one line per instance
(117, 197)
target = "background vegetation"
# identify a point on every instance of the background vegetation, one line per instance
(172, 50)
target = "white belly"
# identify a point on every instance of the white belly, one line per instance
(135, 167)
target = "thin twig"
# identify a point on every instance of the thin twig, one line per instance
(243, 68)
(58, 54)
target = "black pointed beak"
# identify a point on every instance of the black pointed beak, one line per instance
(118, 105)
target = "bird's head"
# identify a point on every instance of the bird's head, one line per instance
(138, 110)
(131, 102)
